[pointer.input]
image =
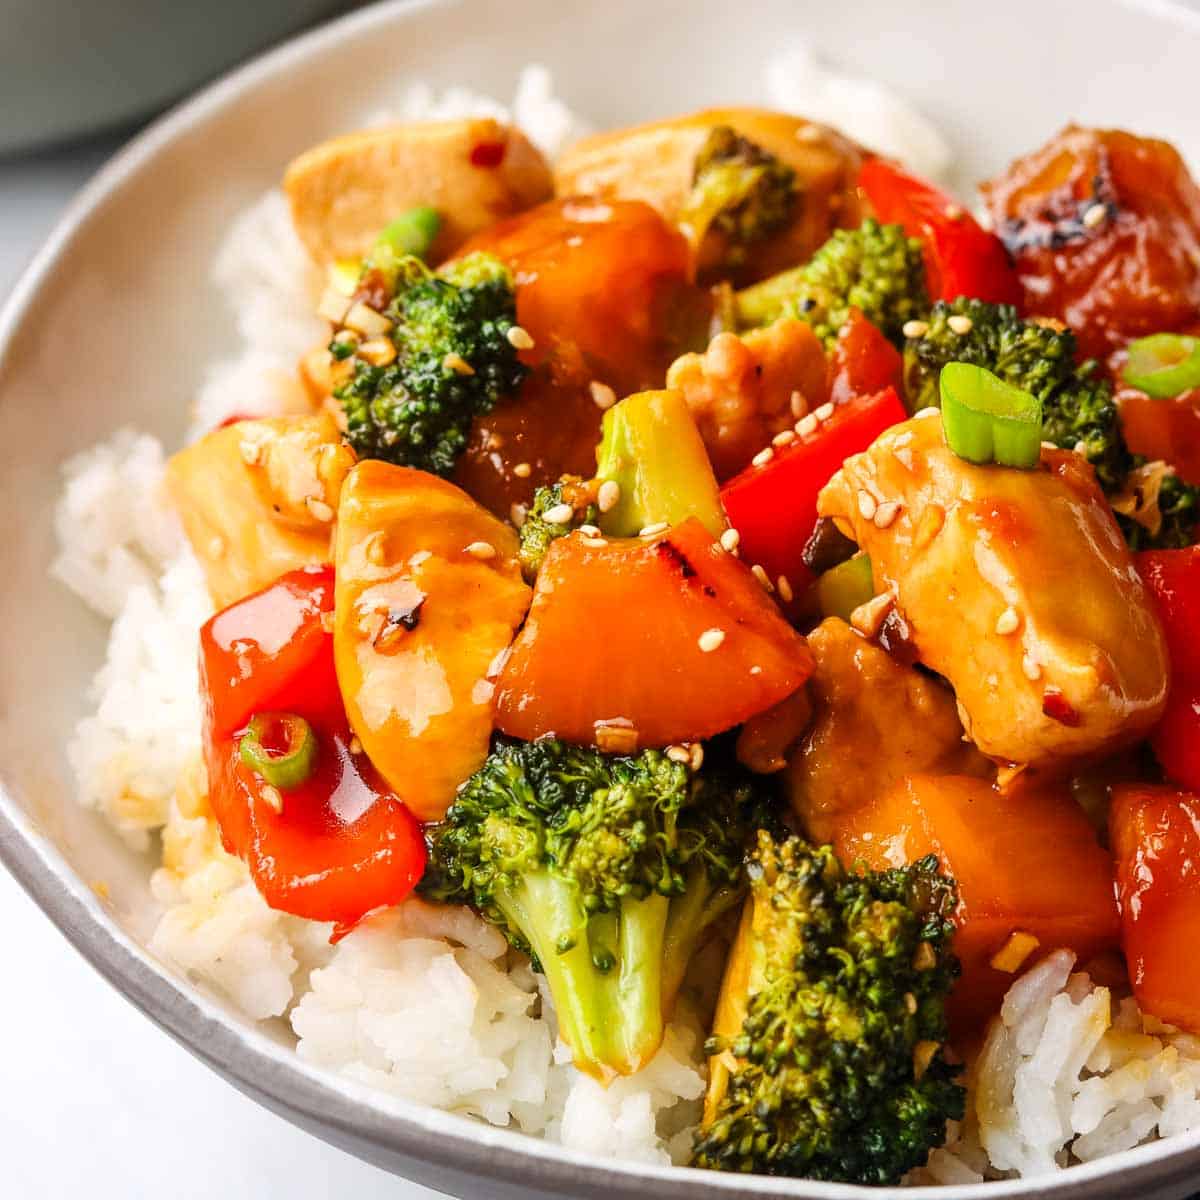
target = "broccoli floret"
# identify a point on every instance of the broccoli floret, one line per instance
(537, 533)
(1039, 357)
(1078, 411)
(453, 359)
(606, 869)
(838, 1068)
(875, 268)
(740, 190)
(1169, 508)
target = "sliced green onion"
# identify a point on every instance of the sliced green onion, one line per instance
(987, 420)
(412, 232)
(281, 747)
(843, 588)
(1163, 365)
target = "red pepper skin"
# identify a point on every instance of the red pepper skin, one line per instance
(863, 361)
(961, 257)
(1173, 577)
(774, 507)
(343, 844)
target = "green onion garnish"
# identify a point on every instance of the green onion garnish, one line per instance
(1163, 365)
(841, 589)
(987, 420)
(281, 747)
(412, 232)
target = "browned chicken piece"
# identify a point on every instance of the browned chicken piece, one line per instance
(473, 171)
(1016, 586)
(258, 499)
(875, 721)
(768, 738)
(657, 162)
(745, 388)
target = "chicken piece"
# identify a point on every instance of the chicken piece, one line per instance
(257, 499)
(1105, 230)
(745, 388)
(657, 163)
(429, 595)
(875, 721)
(1017, 586)
(768, 738)
(474, 171)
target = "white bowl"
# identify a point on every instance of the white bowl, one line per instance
(115, 320)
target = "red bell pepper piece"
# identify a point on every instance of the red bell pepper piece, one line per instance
(774, 507)
(340, 843)
(961, 257)
(1173, 577)
(1163, 429)
(863, 361)
(1155, 836)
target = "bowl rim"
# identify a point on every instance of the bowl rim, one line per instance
(275, 1073)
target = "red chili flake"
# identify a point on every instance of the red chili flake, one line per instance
(487, 154)
(234, 418)
(1056, 707)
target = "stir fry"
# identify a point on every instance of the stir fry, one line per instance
(720, 541)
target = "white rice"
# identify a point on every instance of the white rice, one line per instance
(427, 1002)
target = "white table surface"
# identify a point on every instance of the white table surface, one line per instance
(95, 1101)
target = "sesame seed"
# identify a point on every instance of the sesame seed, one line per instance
(481, 550)
(756, 670)
(782, 439)
(652, 530)
(810, 133)
(915, 329)
(799, 405)
(763, 457)
(866, 506)
(602, 395)
(1049, 446)
(784, 585)
(594, 543)
(523, 470)
(930, 411)
(807, 426)
(1008, 622)
(824, 412)
(953, 212)
(910, 1002)
(730, 539)
(1032, 668)
(517, 514)
(456, 363)
(272, 797)
(589, 530)
(608, 495)
(1095, 216)
(355, 746)
(1081, 448)
(560, 514)
(960, 324)
(710, 640)
(518, 338)
(697, 756)
(318, 509)
(886, 513)
(679, 754)
(366, 321)
(760, 573)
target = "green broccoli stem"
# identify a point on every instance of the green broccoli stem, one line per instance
(765, 302)
(692, 915)
(603, 970)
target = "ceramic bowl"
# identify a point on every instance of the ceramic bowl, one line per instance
(114, 322)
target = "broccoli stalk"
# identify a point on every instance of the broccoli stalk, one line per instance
(607, 870)
(449, 358)
(876, 268)
(738, 190)
(834, 1069)
(1078, 412)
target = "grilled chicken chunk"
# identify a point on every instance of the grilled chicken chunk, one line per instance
(257, 499)
(1017, 587)
(875, 721)
(473, 171)
(657, 163)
